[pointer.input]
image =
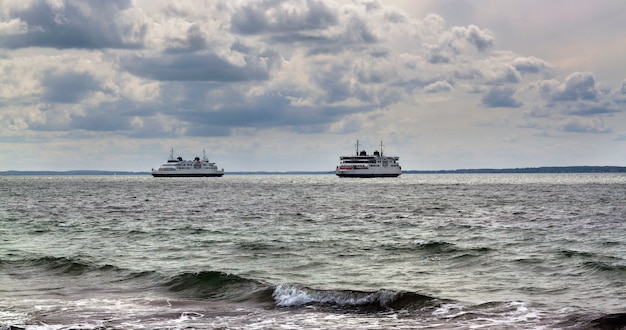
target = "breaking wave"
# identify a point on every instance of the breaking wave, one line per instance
(295, 296)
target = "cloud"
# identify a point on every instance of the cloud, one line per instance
(481, 39)
(195, 40)
(67, 87)
(578, 96)
(73, 24)
(500, 97)
(531, 64)
(584, 125)
(102, 119)
(584, 108)
(620, 137)
(620, 95)
(13, 26)
(280, 16)
(201, 66)
(455, 41)
(438, 87)
(497, 73)
(577, 86)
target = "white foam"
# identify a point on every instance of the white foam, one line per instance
(8, 318)
(511, 314)
(289, 295)
(446, 310)
(286, 295)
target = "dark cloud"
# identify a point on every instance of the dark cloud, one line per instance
(579, 103)
(278, 16)
(500, 97)
(591, 108)
(339, 84)
(103, 119)
(439, 56)
(578, 109)
(578, 125)
(312, 25)
(577, 86)
(262, 112)
(481, 39)
(458, 39)
(209, 110)
(89, 24)
(530, 65)
(67, 87)
(195, 40)
(358, 31)
(200, 67)
(356, 36)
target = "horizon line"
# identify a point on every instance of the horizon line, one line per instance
(540, 169)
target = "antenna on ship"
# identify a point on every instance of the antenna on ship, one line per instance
(381, 147)
(357, 147)
(204, 154)
(172, 153)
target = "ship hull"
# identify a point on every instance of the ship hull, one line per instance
(368, 173)
(371, 175)
(186, 175)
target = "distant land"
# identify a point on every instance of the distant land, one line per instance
(548, 169)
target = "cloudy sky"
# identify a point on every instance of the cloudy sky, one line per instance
(280, 85)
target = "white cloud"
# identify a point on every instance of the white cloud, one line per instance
(13, 27)
(438, 87)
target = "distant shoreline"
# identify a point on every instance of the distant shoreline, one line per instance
(529, 170)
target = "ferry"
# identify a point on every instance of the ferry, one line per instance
(363, 165)
(178, 167)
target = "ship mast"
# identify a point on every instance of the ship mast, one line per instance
(381, 147)
(172, 153)
(357, 147)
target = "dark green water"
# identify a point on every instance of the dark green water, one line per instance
(313, 251)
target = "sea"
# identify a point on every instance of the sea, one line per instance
(300, 251)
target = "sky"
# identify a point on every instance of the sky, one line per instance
(290, 85)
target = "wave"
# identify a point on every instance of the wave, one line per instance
(297, 296)
(592, 321)
(439, 247)
(596, 262)
(223, 287)
(605, 267)
(75, 267)
(216, 285)
(61, 265)
(220, 286)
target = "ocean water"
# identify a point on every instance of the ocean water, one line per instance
(490, 251)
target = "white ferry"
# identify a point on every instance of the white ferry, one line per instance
(363, 165)
(177, 167)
